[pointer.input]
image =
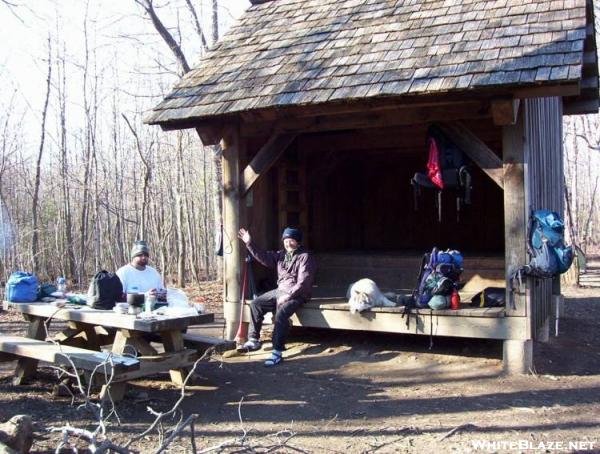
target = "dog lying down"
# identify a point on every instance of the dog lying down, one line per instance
(364, 294)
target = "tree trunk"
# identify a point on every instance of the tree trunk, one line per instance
(38, 169)
(215, 21)
(179, 215)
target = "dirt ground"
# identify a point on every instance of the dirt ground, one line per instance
(352, 392)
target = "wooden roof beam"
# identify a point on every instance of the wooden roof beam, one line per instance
(369, 119)
(505, 111)
(581, 107)
(475, 149)
(545, 91)
(210, 135)
(210, 132)
(266, 157)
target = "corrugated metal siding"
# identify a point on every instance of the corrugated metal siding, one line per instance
(544, 184)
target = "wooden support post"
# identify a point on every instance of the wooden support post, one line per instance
(515, 211)
(116, 391)
(231, 224)
(173, 342)
(517, 356)
(26, 367)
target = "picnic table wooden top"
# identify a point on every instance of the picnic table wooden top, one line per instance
(109, 318)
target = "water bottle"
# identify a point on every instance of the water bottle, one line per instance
(61, 285)
(149, 303)
(455, 300)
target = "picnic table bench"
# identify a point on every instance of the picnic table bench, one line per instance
(89, 329)
(15, 347)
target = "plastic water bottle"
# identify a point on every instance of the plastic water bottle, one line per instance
(149, 303)
(61, 285)
(455, 300)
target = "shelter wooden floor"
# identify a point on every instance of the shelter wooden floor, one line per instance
(397, 272)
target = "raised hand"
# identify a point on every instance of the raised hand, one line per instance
(244, 235)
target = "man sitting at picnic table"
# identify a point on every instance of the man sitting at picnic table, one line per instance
(139, 277)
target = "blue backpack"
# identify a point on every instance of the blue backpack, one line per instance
(439, 272)
(22, 287)
(549, 256)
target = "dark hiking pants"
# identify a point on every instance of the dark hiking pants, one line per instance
(267, 302)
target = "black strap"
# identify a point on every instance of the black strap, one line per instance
(465, 182)
(416, 194)
(408, 307)
(430, 329)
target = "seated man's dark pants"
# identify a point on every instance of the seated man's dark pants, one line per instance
(267, 302)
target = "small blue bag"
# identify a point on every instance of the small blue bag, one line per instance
(22, 287)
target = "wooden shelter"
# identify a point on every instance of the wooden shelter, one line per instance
(322, 107)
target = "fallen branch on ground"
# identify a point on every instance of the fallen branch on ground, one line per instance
(459, 428)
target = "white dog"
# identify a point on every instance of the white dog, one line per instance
(364, 294)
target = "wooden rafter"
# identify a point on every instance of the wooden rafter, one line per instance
(210, 135)
(369, 119)
(475, 149)
(264, 159)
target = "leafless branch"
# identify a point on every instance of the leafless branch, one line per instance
(148, 6)
(197, 23)
(12, 7)
(467, 426)
(160, 416)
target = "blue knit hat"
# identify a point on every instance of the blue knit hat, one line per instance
(290, 232)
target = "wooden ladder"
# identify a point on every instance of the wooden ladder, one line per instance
(293, 211)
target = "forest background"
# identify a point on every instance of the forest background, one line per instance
(81, 177)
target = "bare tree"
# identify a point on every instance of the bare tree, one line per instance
(215, 21)
(12, 7)
(178, 53)
(147, 176)
(197, 24)
(38, 169)
(165, 34)
(582, 178)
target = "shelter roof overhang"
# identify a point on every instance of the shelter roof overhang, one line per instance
(282, 61)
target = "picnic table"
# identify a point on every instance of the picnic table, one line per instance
(87, 330)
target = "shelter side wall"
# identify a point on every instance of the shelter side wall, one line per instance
(544, 187)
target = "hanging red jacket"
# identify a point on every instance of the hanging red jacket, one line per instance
(434, 170)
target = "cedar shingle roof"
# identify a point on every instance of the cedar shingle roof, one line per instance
(295, 52)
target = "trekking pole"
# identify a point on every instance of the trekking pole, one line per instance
(557, 317)
(242, 332)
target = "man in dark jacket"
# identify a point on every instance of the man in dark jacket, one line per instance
(295, 276)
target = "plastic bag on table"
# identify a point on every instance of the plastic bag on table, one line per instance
(177, 298)
(176, 311)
